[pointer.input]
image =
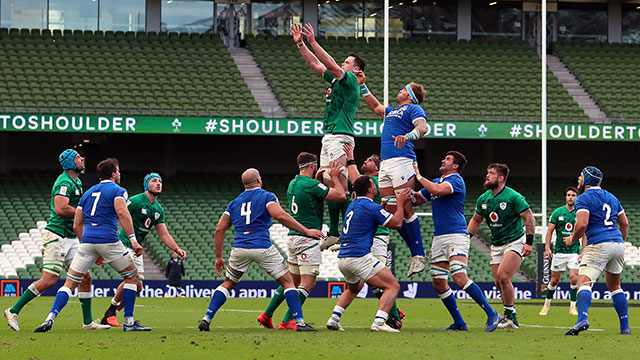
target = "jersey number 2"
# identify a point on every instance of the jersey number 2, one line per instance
(245, 210)
(95, 202)
(607, 209)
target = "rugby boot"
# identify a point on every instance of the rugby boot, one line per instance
(265, 321)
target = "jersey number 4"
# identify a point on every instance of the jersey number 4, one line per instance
(245, 210)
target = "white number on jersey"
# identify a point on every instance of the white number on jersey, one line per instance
(294, 206)
(95, 202)
(245, 210)
(607, 208)
(345, 228)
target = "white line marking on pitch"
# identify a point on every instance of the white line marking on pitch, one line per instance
(556, 327)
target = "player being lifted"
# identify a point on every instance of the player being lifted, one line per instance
(504, 210)
(341, 102)
(562, 257)
(403, 124)
(450, 246)
(95, 223)
(250, 213)
(370, 168)
(355, 260)
(601, 217)
(306, 197)
(146, 212)
(60, 242)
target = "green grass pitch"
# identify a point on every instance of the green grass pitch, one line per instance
(236, 335)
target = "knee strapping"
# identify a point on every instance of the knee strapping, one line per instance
(389, 200)
(128, 273)
(52, 267)
(438, 272)
(294, 269)
(233, 276)
(457, 267)
(309, 270)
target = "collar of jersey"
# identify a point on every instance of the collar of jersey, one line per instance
(252, 189)
(363, 197)
(104, 181)
(446, 176)
(593, 187)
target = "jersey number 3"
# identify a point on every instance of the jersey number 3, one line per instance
(245, 210)
(347, 221)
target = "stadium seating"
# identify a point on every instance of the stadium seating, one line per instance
(609, 72)
(487, 81)
(118, 73)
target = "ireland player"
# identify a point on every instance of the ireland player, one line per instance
(341, 102)
(403, 124)
(562, 257)
(370, 168)
(450, 246)
(60, 242)
(306, 196)
(95, 223)
(601, 217)
(250, 213)
(146, 212)
(504, 210)
(355, 260)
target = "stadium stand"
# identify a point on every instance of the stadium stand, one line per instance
(194, 203)
(120, 73)
(610, 72)
(462, 79)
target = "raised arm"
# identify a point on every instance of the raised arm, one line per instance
(442, 189)
(398, 216)
(420, 128)
(336, 192)
(275, 210)
(371, 101)
(307, 55)
(167, 239)
(352, 168)
(324, 57)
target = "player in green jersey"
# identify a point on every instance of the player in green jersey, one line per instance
(563, 256)
(306, 197)
(146, 212)
(341, 102)
(60, 242)
(505, 209)
(370, 167)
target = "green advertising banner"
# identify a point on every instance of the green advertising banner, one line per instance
(307, 127)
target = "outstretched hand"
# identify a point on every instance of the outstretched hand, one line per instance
(296, 32)
(361, 76)
(309, 33)
(348, 149)
(399, 141)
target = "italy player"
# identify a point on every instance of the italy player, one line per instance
(250, 213)
(355, 260)
(562, 256)
(403, 124)
(306, 197)
(601, 217)
(60, 242)
(505, 209)
(380, 245)
(95, 223)
(341, 103)
(450, 246)
(146, 213)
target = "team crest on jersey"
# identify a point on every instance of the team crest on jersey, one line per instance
(147, 223)
(63, 190)
(493, 216)
(568, 226)
(77, 192)
(503, 205)
(404, 108)
(157, 216)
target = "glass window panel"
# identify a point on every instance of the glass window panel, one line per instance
(27, 14)
(191, 16)
(631, 23)
(231, 22)
(582, 22)
(73, 14)
(342, 18)
(122, 15)
(399, 19)
(274, 17)
(496, 19)
(434, 19)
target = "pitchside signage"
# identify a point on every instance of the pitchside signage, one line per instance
(306, 127)
(324, 289)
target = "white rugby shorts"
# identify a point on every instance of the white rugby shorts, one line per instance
(497, 252)
(445, 246)
(268, 260)
(395, 172)
(562, 262)
(362, 268)
(596, 258)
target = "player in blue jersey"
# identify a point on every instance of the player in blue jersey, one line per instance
(96, 224)
(601, 217)
(403, 124)
(250, 213)
(450, 246)
(355, 260)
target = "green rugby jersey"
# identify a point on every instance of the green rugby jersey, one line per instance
(144, 215)
(564, 220)
(341, 102)
(306, 196)
(502, 213)
(382, 230)
(64, 185)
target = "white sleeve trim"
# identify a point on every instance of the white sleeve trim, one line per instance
(271, 202)
(621, 212)
(226, 213)
(121, 197)
(416, 119)
(451, 186)
(422, 196)
(387, 221)
(577, 211)
(344, 74)
(79, 207)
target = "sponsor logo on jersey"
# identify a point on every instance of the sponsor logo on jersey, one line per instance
(568, 226)
(503, 205)
(157, 216)
(147, 223)
(493, 216)
(63, 190)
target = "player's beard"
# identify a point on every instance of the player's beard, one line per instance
(156, 194)
(489, 185)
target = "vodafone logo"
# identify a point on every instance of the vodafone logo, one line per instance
(568, 227)
(328, 92)
(147, 223)
(303, 256)
(493, 216)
